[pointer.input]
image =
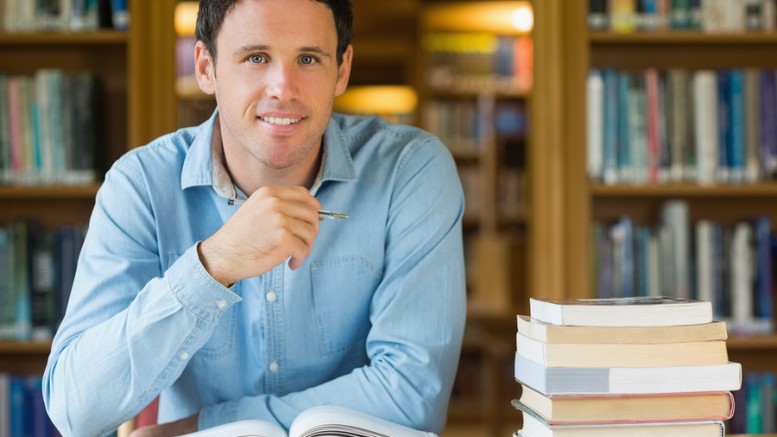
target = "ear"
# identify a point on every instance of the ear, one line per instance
(344, 71)
(204, 68)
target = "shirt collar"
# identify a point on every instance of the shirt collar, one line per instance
(204, 162)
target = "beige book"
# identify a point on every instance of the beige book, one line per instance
(588, 355)
(603, 408)
(544, 332)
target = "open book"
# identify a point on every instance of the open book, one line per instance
(317, 421)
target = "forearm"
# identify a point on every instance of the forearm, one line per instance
(100, 375)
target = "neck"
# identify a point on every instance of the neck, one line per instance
(249, 174)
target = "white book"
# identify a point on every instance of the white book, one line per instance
(705, 125)
(741, 279)
(595, 121)
(627, 380)
(325, 420)
(675, 218)
(626, 311)
(704, 261)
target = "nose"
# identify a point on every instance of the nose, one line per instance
(282, 81)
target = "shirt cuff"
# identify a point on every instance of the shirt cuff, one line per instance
(196, 289)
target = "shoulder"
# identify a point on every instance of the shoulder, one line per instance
(163, 156)
(373, 135)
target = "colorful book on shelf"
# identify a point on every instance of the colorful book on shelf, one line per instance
(547, 333)
(534, 426)
(627, 408)
(592, 355)
(631, 311)
(627, 380)
(316, 421)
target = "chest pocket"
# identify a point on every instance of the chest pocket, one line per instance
(223, 338)
(342, 291)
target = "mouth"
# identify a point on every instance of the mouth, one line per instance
(281, 121)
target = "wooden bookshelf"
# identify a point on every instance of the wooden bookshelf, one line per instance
(587, 201)
(122, 64)
(497, 237)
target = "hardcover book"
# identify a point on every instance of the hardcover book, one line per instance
(627, 408)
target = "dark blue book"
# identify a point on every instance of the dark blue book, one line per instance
(722, 173)
(735, 138)
(762, 298)
(768, 109)
(21, 418)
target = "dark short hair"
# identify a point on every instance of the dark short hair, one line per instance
(212, 12)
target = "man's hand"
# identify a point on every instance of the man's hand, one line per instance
(171, 429)
(273, 225)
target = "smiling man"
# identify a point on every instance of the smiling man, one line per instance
(209, 279)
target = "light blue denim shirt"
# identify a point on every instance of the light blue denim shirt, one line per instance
(373, 320)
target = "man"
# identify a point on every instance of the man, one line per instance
(208, 278)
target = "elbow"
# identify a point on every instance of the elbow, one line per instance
(65, 411)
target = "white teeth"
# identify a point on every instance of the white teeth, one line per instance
(281, 121)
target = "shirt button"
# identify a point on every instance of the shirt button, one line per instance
(222, 304)
(274, 366)
(271, 296)
(184, 356)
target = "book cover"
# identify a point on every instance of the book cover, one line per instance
(627, 380)
(631, 311)
(627, 408)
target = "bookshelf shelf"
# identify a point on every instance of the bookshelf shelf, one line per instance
(682, 37)
(97, 38)
(751, 342)
(44, 192)
(755, 190)
(592, 208)
(30, 348)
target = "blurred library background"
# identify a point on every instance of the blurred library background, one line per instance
(606, 148)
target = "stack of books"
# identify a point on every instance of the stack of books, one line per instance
(646, 366)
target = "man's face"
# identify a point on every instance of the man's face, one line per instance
(275, 79)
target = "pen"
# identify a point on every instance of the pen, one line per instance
(321, 212)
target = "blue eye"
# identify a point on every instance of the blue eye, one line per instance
(256, 59)
(307, 60)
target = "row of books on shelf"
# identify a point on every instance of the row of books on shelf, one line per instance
(511, 190)
(703, 126)
(465, 125)
(729, 265)
(48, 130)
(22, 412)
(63, 15)
(477, 62)
(624, 366)
(705, 15)
(757, 408)
(37, 267)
